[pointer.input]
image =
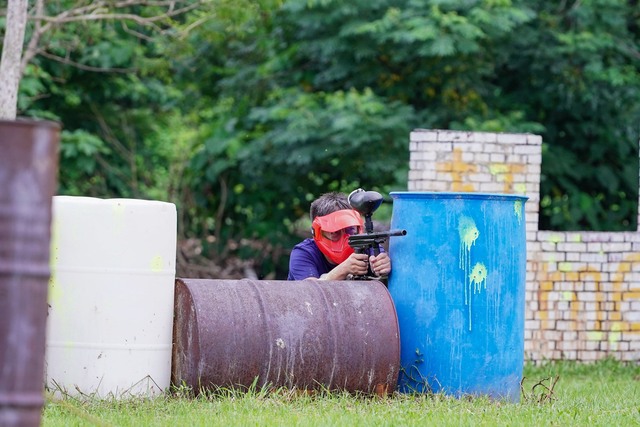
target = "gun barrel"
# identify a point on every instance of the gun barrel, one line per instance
(371, 237)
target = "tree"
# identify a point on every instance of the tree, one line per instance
(574, 70)
(11, 57)
(97, 67)
(307, 97)
(260, 105)
(15, 58)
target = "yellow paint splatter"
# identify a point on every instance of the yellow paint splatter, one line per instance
(614, 339)
(520, 188)
(565, 266)
(119, 216)
(595, 335)
(478, 277)
(156, 263)
(469, 233)
(555, 238)
(118, 209)
(517, 209)
(498, 168)
(53, 294)
(460, 172)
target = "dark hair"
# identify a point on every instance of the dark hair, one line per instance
(328, 203)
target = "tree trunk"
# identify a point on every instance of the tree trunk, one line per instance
(11, 54)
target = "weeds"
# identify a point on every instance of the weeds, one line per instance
(540, 392)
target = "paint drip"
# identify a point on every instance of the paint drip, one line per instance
(469, 233)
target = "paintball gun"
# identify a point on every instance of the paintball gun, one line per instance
(366, 203)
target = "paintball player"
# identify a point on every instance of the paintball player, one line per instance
(327, 255)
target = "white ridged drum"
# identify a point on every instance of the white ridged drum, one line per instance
(109, 328)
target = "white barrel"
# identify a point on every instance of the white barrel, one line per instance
(110, 322)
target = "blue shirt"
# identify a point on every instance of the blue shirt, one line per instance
(307, 261)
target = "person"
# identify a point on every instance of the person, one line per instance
(327, 254)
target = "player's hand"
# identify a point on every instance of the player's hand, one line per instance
(380, 264)
(356, 264)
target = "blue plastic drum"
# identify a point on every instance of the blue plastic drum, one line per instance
(458, 283)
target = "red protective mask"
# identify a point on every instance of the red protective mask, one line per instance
(336, 250)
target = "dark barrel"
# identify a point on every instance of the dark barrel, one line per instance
(28, 168)
(306, 334)
(458, 284)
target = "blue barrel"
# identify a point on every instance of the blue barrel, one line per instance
(458, 284)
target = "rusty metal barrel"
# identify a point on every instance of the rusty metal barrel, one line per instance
(28, 168)
(309, 335)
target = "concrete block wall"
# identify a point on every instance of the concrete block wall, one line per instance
(583, 288)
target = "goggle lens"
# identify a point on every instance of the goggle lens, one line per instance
(351, 230)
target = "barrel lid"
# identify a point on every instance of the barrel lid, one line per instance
(455, 195)
(29, 122)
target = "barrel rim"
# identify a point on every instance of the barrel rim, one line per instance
(456, 195)
(100, 202)
(31, 122)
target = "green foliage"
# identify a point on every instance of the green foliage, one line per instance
(311, 97)
(297, 146)
(82, 150)
(107, 82)
(242, 111)
(576, 73)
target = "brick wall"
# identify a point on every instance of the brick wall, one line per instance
(583, 288)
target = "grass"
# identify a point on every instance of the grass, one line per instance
(606, 393)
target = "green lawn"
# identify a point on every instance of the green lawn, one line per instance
(557, 394)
